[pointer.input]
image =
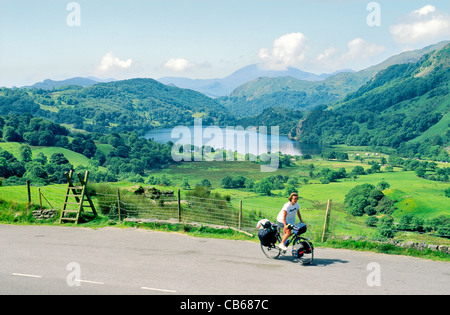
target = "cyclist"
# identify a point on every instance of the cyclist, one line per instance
(286, 217)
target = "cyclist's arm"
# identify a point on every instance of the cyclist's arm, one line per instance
(299, 216)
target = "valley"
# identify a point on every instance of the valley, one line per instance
(385, 131)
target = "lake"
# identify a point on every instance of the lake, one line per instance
(234, 139)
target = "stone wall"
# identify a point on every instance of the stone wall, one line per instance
(413, 245)
(44, 214)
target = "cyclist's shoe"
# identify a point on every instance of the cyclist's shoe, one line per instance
(282, 247)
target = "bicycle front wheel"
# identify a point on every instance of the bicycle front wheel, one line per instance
(303, 251)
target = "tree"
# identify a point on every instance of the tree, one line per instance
(358, 170)
(420, 171)
(405, 222)
(47, 139)
(366, 199)
(386, 227)
(264, 187)
(372, 221)
(89, 148)
(205, 183)
(341, 156)
(249, 184)
(185, 184)
(227, 182)
(375, 168)
(36, 172)
(25, 153)
(290, 189)
(58, 159)
(447, 192)
(10, 135)
(239, 182)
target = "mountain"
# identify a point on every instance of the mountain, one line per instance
(405, 106)
(222, 87)
(79, 81)
(253, 97)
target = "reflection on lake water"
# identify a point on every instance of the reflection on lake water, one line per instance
(242, 141)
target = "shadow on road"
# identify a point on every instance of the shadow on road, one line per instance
(318, 262)
(323, 262)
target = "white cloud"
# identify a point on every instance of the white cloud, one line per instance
(327, 54)
(178, 64)
(425, 10)
(288, 50)
(423, 24)
(359, 49)
(358, 54)
(111, 62)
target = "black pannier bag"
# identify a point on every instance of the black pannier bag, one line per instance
(306, 248)
(301, 249)
(267, 237)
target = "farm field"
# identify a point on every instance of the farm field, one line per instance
(414, 195)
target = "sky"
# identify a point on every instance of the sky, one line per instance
(200, 39)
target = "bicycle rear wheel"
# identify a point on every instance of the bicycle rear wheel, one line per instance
(272, 251)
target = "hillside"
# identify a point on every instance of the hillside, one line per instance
(293, 93)
(131, 105)
(287, 92)
(399, 104)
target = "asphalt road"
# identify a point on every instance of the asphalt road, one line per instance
(42, 260)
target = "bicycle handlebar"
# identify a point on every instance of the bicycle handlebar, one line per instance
(291, 227)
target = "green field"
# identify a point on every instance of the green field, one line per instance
(74, 158)
(414, 195)
(426, 197)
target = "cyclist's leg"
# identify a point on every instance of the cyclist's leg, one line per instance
(286, 234)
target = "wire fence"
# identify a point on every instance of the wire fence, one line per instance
(172, 207)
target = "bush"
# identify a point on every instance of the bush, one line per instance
(447, 192)
(372, 221)
(386, 227)
(367, 199)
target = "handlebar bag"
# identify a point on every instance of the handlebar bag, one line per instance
(299, 228)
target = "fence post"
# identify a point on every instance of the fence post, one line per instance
(327, 220)
(40, 197)
(29, 191)
(240, 214)
(179, 205)
(118, 203)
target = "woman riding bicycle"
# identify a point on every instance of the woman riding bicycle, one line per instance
(286, 217)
